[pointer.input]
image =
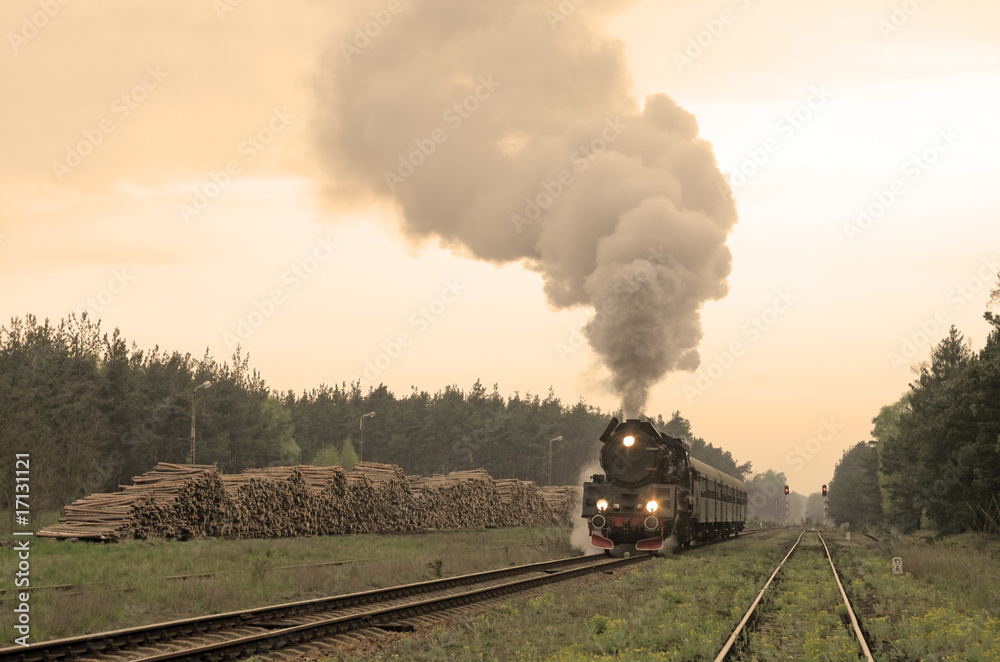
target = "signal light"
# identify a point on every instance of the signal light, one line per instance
(786, 490)
(824, 490)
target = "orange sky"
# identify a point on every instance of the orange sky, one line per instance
(159, 169)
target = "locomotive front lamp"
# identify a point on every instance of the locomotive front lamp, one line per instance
(628, 441)
(651, 506)
(602, 505)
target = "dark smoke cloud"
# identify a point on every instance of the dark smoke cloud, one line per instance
(512, 136)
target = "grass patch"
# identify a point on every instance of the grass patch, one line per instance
(684, 607)
(804, 619)
(126, 584)
(679, 608)
(946, 605)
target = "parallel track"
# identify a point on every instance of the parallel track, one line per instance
(728, 651)
(242, 634)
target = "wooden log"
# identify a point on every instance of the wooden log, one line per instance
(187, 501)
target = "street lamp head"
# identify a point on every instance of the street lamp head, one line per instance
(361, 441)
(559, 438)
(204, 384)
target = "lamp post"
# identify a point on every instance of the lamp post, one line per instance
(559, 438)
(204, 384)
(361, 443)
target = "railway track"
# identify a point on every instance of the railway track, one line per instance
(266, 630)
(797, 612)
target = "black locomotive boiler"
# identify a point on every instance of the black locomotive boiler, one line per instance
(652, 490)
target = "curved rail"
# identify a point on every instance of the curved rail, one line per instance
(257, 644)
(366, 612)
(859, 635)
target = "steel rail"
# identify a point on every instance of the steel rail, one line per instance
(859, 635)
(265, 642)
(105, 642)
(850, 612)
(746, 617)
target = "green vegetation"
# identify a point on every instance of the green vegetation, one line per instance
(935, 461)
(854, 494)
(939, 445)
(94, 411)
(803, 617)
(946, 605)
(683, 608)
(329, 456)
(139, 582)
(678, 608)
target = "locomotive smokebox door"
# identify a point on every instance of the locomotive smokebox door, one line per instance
(630, 454)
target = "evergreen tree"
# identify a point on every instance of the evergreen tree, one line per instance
(766, 496)
(922, 466)
(327, 456)
(99, 411)
(348, 457)
(854, 489)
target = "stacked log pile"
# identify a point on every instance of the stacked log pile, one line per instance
(103, 517)
(190, 501)
(460, 499)
(319, 479)
(563, 502)
(525, 504)
(171, 501)
(193, 501)
(269, 503)
(327, 490)
(377, 499)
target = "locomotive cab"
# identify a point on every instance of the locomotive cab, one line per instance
(652, 490)
(635, 505)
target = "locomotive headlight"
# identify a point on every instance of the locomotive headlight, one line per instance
(628, 441)
(602, 505)
(651, 506)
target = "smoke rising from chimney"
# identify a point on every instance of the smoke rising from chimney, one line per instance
(511, 136)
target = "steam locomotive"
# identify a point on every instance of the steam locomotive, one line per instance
(652, 490)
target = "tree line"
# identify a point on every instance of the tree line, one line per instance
(935, 456)
(93, 410)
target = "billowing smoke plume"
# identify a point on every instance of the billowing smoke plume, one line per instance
(507, 129)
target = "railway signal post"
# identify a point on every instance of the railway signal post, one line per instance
(824, 506)
(786, 505)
